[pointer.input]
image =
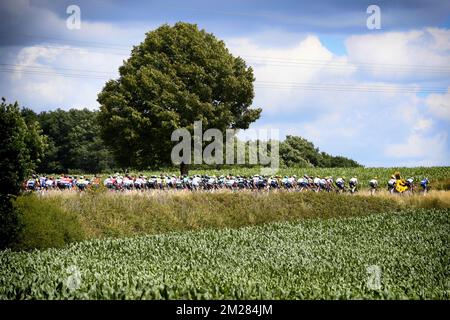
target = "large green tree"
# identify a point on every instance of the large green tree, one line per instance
(21, 148)
(177, 75)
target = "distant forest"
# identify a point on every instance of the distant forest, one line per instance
(74, 144)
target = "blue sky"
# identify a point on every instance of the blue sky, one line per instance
(380, 97)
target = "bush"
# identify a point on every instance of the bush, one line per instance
(45, 224)
(9, 222)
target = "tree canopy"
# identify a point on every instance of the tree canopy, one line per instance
(74, 141)
(297, 151)
(177, 75)
(21, 148)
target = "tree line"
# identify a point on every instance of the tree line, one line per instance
(73, 144)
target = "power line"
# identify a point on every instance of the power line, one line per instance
(272, 61)
(350, 67)
(345, 85)
(52, 74)
(348, 89)
(45, 68)
(86, 43)
(258, 84)
(306, 64)
(343, 63)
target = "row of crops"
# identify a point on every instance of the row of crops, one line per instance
(363, 174)
(393, 255)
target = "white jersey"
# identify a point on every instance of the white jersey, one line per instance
(83, 181)
(317, 181)
(373, 182)
(127, 182)
(354, 181)
(230, 182)
(196, 181)
(392, 182)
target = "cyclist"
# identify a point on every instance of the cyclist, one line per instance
(32, 183)
(82, 183)
(425, 185)
(391, 184)
(302, 183)
(316, 183)
(109, 183)
(373, 184)
(353, 184)
(329, 184)
(410, 184)
(138, 183)
(340, 184)
(127, 183)
(323, 183)
(196, 181)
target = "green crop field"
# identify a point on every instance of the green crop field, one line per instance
(234, 245)
(392, 255)
(439, 176)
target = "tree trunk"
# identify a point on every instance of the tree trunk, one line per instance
(184, 169)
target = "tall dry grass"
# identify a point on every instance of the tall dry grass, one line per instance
(109, 214)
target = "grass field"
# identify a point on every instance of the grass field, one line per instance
(396, 255)
(58, 218)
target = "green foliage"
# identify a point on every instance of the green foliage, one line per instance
(74, 142)
(176, 76)
(299, 152)
(10, 226)
(21, 147)
(45, 224)
(311, 259)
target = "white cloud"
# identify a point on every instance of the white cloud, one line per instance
(391, 51)
(428, 150)
(367, 126)
(307, 61)
(66, 77)
(63, 68)
(439, 105)
(423, 125)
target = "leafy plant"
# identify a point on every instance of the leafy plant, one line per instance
(310, 259)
